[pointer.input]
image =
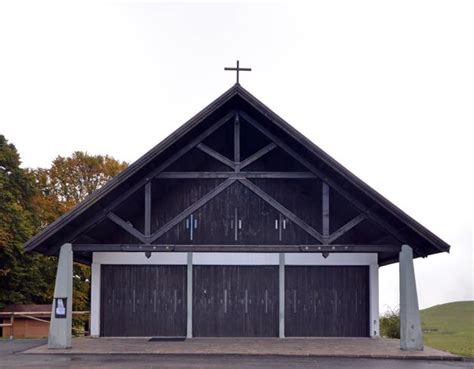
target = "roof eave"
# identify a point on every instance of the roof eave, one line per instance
(52, 228)
(422, 231)
(236, 89)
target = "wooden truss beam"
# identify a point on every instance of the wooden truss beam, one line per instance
(235, 175)
(89, 239)
(216, 155)
(346, 227)
(94, 220)
(257, 155)
(376, 218)
(128, 227)
(275, 204)
(233, 248)
(350, 248)
(191, 209)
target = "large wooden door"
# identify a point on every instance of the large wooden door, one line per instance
(327, 301)
(143, 300)
(235, 301)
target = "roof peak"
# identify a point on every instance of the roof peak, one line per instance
(58, 232)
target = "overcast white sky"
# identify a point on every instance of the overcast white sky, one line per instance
(386, 88)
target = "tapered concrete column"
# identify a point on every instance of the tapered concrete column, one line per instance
(95, 300)
(411, 337)
(374, 299)
(189, 296)
(61, 316)
(281, 282)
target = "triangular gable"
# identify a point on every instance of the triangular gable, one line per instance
(279, 133)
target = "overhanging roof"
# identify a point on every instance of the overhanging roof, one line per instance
(406, 229)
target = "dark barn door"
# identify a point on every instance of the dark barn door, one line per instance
(327, 301)
(143, 300)
(235, 301)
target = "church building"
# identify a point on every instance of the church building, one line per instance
(236, 225)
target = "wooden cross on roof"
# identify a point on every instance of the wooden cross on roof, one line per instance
(238, 69)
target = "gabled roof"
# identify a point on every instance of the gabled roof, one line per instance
(406, 229)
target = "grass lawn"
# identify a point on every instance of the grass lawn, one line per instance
(450, 327)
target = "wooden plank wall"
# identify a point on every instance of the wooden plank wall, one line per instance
(327, 301)
(235, 301)
(143, 300)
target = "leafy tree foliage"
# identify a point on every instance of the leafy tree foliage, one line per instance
(69, 181)
(24, 278)
(29, 201)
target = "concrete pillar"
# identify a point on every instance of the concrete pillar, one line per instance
(95, 300)
(60, 327)
(189, 330)
(374, 299)
(281, 299)
(411, 336)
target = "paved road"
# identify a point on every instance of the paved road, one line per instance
(11, 360)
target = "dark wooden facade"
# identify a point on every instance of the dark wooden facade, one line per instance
(236, 178)
(235, 301)
(327, 301)
(216, 194)
(237, 152)
(143, 300)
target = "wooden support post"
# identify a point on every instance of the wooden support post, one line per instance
(148, 209)
(237, 143)
(325, 212)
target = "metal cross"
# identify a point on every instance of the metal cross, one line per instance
(238, 69)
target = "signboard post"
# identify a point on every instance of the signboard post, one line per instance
(60, 307)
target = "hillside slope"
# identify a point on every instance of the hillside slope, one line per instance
(450, 327)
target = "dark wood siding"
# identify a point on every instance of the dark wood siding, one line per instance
(237, 301)
(143, 300)
(239, 185)
(236, 207)
(327, 301)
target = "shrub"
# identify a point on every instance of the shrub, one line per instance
(390, 323)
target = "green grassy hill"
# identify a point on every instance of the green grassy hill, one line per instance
(450, 327)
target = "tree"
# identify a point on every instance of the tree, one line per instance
(24, 278)
(29, 201)
(69, 181)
